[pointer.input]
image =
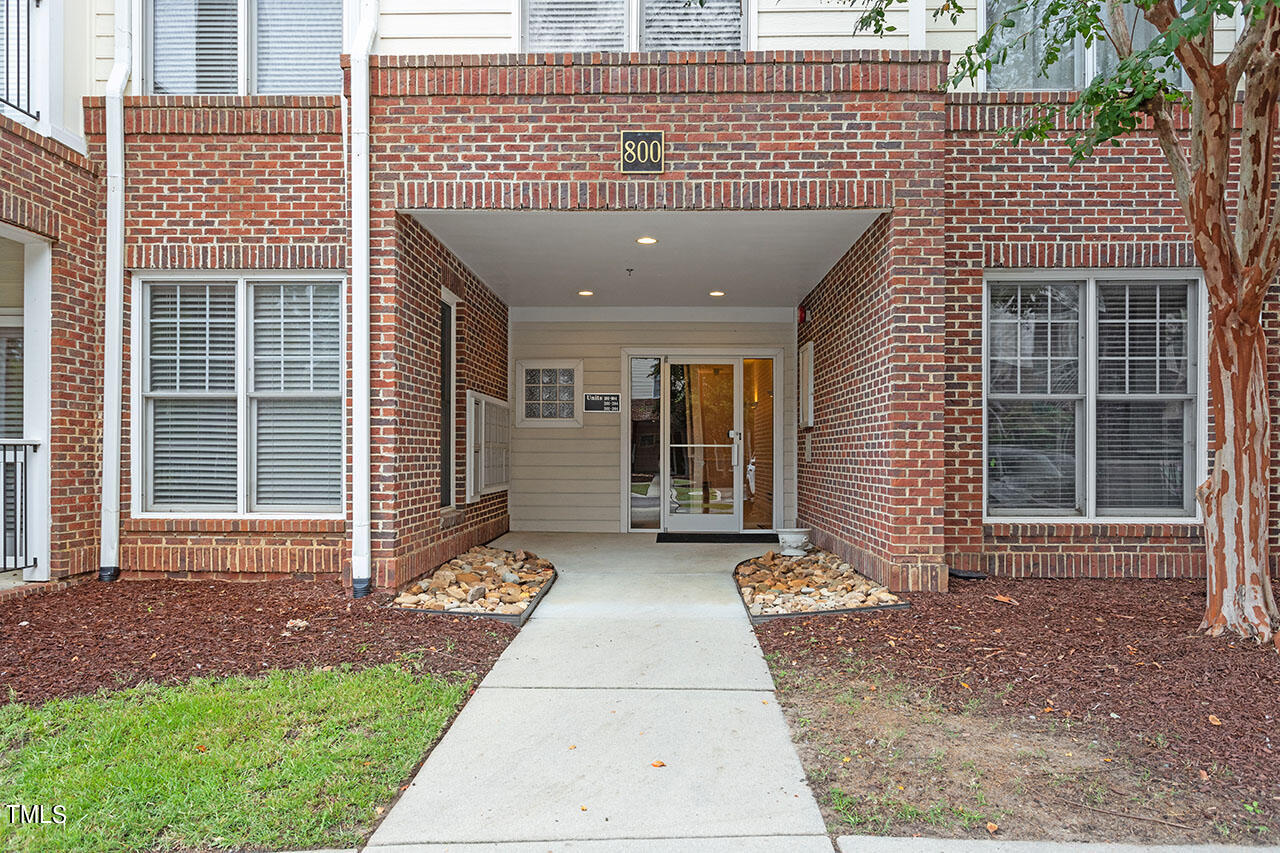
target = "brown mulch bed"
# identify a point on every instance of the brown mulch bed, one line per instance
(1082, 650)
(96, 635)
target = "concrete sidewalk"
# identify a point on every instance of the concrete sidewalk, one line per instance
(641, 653)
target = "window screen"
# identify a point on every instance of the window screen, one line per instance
(575, 25)
(191, 408)
(1144, 407)
(296, 404)
(298, 44)
(681, 25)
(193, 47)
(1021, 68)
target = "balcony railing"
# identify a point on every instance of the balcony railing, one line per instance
(15, 55)
(15, 456)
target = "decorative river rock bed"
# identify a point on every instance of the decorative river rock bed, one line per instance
(484, 581)
(775, 585)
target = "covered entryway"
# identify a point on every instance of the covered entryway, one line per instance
(680, 327)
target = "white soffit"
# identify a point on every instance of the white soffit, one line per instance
(760, 259)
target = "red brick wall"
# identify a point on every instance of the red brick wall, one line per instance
(412, 534)
(1028, 207)
(859, 129)
(48, 190)
(230, 184)
(870, 469)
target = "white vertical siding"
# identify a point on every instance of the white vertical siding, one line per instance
(570, 479)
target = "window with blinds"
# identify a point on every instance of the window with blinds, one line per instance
(296, 402)
(271, 441)
(1115, 437)
(574, 26)
(297, 45)
(488, 445)
(191, 396)
(681, 25)
(294, 46)
(11, 373)
(577, 26)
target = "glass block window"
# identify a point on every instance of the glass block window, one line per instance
(1092, 397)
(549, 393)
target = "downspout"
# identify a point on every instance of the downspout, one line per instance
(113, 331)
(361, 560)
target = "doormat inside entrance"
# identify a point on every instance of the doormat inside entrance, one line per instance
(718, 537)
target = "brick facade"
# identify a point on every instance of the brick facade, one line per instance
(228, 185)
(1028, 207)
(55, 193)
(892, 473)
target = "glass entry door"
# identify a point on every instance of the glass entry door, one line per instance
(703, 444)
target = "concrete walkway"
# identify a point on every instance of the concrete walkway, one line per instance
(640, 653)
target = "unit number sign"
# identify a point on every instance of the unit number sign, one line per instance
(602, 402)
(642, 151)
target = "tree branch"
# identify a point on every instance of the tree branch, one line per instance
(1171, 145)
(1195, 55)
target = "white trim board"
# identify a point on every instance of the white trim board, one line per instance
(691, 314)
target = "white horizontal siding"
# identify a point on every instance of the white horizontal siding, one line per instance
(102, 36)
(409, 27)
(570, 479)
(810, 25)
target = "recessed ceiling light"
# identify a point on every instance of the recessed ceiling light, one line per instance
(716, 293)
(586, 293)
(646, 241)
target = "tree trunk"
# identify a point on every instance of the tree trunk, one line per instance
(1236, 497)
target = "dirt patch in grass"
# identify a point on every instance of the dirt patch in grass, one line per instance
(1099, 669)
(96, 635)
(886, 757)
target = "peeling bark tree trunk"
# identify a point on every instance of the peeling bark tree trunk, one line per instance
(1236, 496)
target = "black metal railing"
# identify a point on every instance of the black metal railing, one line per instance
(15, 456)
(15, 55)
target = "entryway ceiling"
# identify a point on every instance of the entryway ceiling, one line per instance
(542, 259)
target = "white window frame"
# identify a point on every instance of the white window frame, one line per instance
(138, 443)
(633, 12)
(1086, 481)
(451, 299)
(246, 46)
(549, 364)
(478, 404)
(806, 386)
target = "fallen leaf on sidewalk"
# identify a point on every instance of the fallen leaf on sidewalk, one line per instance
(659, 764)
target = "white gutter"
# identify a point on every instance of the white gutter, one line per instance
(361, 562)
(113, 333)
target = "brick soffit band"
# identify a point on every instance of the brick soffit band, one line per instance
(647, 195)
(660, 73)
(1086, 255)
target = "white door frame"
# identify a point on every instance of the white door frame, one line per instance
(37, 282)
(709, 353)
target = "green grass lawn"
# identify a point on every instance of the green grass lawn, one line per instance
(293, 759)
